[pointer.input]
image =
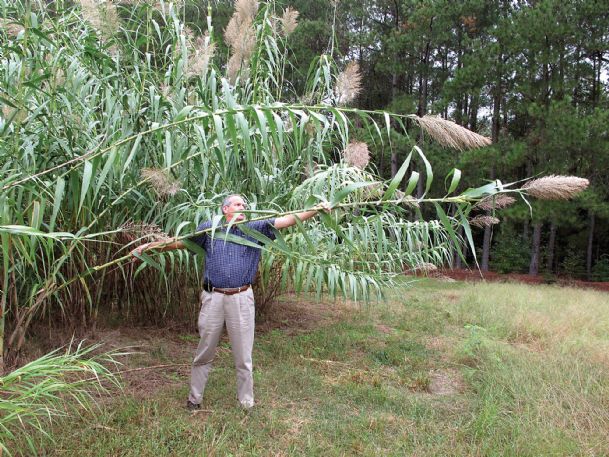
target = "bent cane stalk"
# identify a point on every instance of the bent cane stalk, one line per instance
(222, 112)
(267, 214)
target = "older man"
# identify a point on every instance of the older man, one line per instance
(227, 295)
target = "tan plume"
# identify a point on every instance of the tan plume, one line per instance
(494, 202)
(140, 231)
(483, 221)
(408, 200)
(233, 67)
(555, 187)
(289, 20)
(201, 52)
(357, 155)
(348, 84)
(241, 37)
(246, 9)
(161, 181)
(450, 134)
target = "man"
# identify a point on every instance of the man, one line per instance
(227, 295)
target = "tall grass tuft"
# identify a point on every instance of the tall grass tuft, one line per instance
(51, 387)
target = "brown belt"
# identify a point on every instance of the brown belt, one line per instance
(232, 291)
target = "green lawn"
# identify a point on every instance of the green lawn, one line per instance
(442, 368)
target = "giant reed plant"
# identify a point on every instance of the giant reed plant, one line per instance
(118, 115)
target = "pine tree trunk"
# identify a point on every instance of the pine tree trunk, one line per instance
(486, 249)
(457, 263)
(486, 243)
(551, 244)
(590, 244)
(394, 153)
(473, 113)
(534, 265)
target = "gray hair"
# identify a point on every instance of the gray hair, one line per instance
(228, 198)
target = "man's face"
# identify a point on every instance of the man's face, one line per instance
(237, 204)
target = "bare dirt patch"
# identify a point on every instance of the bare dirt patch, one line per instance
(296, 314)
(384, 329)
(445, 382)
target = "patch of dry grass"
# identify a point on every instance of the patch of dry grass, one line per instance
(548, 318)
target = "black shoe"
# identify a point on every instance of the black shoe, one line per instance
(190, 406)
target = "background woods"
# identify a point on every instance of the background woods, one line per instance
(532, 76)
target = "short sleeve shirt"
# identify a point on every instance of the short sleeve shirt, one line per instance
(229, 264)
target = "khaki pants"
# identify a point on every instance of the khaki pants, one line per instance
(238, 312)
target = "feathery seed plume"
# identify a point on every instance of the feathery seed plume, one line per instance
(450, 134)
(132, 231)
(494, 202)
(246, 9)
(357, 155)
(161, 181)
(483, 221)
(200, 54)
(373, 191)
(233, 67)
(241, 37)
(289, 21)
(408, 200)
(348, 84)
(232, 30)
(246, 43)
(555, 187)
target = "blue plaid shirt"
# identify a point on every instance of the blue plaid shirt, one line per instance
(229, 264)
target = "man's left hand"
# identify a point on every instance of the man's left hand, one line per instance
(323, 206)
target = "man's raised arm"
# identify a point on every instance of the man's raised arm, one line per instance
(289, 220)
(159, 246)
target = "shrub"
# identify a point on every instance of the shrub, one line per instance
(510, 253)
(600, 270)
(574, 264)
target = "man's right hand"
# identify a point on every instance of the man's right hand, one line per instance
(160, 246)
(141, 248)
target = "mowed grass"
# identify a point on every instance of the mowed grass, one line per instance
(442, 368)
